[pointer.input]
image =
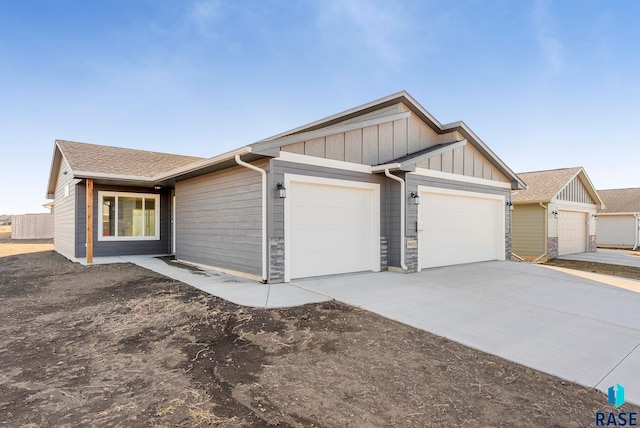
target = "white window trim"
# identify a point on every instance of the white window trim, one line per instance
(154, 196)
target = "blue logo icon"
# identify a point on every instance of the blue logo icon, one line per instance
(616, 395)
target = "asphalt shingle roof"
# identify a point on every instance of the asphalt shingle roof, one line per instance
(543, 185)
(93, 158)
(620, 200)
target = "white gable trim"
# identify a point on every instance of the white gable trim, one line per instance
(324, 162)
(457, 177)
(285, 141)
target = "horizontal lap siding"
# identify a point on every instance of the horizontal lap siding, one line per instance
(121, 248)
(219, 220)
(279, 168)
(528, 230)
(64, 214)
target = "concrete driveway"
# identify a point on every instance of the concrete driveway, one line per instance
(612, 257)
(579, 329)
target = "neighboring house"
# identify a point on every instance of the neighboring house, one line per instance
(555, 215)
(381, 186)
(619, 222)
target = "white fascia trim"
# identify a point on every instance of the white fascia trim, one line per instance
(574, 206)
(617, 214)
(365, 106)
(460, 124)
(327, 163)
(375, 215)
(202, 164)
(382, 168)
(457, 177)
(108, 176)
(337, 129)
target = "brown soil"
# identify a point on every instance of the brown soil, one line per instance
(603, 268)
(9, 247)
(117, 345)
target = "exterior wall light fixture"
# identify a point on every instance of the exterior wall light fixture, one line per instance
(510, 205)
(157, 187)
(416, 198)
(555, 213)
(282, 191)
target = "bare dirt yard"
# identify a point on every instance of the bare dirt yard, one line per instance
(120, 346)
(602, 268)
(9, 247)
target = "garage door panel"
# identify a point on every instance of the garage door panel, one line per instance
(572, 232)
(460, 229)
(331, 229)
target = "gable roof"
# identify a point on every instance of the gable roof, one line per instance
(543, 186)
(97, 161)
(349, 119)
(620, 201)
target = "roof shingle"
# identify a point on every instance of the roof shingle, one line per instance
(543, 185)
(620, 200)
(93, 158)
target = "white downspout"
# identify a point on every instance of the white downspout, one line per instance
(546, 233)
(240, 162)
(637, 232)
(402, 204)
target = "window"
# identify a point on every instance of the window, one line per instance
(128, 216)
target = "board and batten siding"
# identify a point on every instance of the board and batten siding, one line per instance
(528, 230)
(374, 144)
(219, 221)
(64, 213)
(575, 191)
(616, 231)
(466, 161)
(124, 247)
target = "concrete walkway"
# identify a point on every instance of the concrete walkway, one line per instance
(240, 291)
(612, 257)
(581, 329)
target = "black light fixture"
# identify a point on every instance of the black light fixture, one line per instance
(510, 205)
(282, 191)
(416, 198)
(595, 216)
(555, 213)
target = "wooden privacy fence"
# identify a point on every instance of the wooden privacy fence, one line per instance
(32, 226)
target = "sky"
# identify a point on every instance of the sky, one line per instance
(545, 84)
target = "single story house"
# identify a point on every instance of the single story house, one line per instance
(619, 222)
(380, 186)
(555, 215)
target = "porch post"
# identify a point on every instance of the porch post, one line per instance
(89, 220)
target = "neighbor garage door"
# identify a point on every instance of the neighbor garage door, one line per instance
(460, 227)
(331, 227)
(572, 232)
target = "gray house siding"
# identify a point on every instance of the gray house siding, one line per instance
(64, 228)
(118, 248)
(219, 221)
(276, 206)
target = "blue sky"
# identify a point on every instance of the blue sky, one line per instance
(546, 84)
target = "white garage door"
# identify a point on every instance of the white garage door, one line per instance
(572, 232)
(331, 227)
(460, 227)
